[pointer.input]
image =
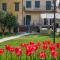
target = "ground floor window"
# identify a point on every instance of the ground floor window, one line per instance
(57, 25)
(51, 21)
(48, 21)
(45, 21)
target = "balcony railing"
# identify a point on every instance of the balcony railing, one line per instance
(38, 9)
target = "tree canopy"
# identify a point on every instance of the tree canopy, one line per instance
(7, 20)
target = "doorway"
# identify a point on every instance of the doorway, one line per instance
(28, 21)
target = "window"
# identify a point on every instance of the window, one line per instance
(28, 20)
(37, 4)
(28, 4)
(57, 25)
(4, 6)
(51, 21)
(17, 6)
(45, 22)
(48, 5)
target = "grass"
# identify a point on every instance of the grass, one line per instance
(24, 39)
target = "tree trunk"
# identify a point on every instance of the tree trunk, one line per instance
(3, 30)
(9, 30)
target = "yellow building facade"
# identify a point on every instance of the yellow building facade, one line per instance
(30, 11)
(10, 7)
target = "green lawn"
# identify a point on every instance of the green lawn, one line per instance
(24, 39)
(27, 39)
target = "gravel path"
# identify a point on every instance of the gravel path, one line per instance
(12, 37)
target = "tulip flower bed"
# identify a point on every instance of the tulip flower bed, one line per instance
(31, 50)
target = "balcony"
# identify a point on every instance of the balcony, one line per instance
(37, 10)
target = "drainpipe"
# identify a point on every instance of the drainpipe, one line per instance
(22, 11)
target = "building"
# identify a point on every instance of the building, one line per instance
(13, 6)
(29, 12)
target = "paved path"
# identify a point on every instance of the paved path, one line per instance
(12, 37)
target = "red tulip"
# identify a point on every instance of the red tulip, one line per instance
(28, 52)
(39, 43)
(23, 44)
(29, 48)
(18, 50)
(42, 54)
(52, 47)
(34, 47)
(58, 45)
(27, 45)
(7, 46)
(54, 53)
(47, 42)
(1, 51)
(45, 46)
(11, 49)
(31, 43)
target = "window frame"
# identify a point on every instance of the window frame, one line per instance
(28, 6)
(16, 8)
(48, 5)
(45, 21)
(4, 6)
(37, 6)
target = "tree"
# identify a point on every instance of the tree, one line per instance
(11, 21)
(3, 20)
(7, 20)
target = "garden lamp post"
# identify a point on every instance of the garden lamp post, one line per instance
(55, 4)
